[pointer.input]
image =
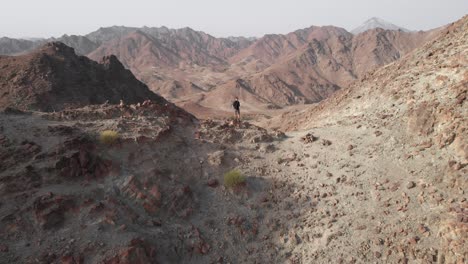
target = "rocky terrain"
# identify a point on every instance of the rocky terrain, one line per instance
(376, 173)
(54, 77)
(415, 112)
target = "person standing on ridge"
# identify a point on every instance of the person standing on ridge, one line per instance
(236, 105)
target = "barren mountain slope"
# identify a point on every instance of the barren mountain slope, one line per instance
(9, 46)
(170, 61)
(138, 51)
(54, 77)
(270, 48)
(376, 177)
(426, 88)
(311, 74)
(319, 67)
(186, 39)
(378, 47)
(399, 139)
(81, 44)
(303, 66)
(105, 34)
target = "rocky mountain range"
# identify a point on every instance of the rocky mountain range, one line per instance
(423, 95)
(190, 67)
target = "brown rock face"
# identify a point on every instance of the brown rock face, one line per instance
(309, 65)
(54, 77)
(421, 120)
(50, 210)
(136, 253)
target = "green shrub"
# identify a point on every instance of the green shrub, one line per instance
(233, 179)
(108, 137)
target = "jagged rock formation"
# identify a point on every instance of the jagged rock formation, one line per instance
(54, 77)
(192, 68)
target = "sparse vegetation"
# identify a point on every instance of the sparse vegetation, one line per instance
(108, 137)
(233, 178)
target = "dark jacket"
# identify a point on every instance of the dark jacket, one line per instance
(236, 105)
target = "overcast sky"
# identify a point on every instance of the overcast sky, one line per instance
(45, 18)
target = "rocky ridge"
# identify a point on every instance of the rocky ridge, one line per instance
(54, 77)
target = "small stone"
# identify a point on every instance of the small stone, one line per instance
(309, 138)
(4, 248)
(378, 254)
(422, 229)
(378, 241)
(410, 185)
(213, 183)
(413, 240)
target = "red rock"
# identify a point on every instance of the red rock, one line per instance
(72, 260)
(50, 211)
(213, 183)
(421, 119)
(84, 158)
(138, 252)
(155, 192)
(150, 207)
(4, 248)
(130, 255)
(413, 240)
(205, 248)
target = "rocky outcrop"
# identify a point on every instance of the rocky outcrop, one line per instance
(54, 78)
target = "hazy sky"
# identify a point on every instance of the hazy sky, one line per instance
(45, 18)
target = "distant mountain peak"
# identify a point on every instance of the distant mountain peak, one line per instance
(376, 22)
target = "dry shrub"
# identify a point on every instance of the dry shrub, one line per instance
(233, 179)
(108, 137)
